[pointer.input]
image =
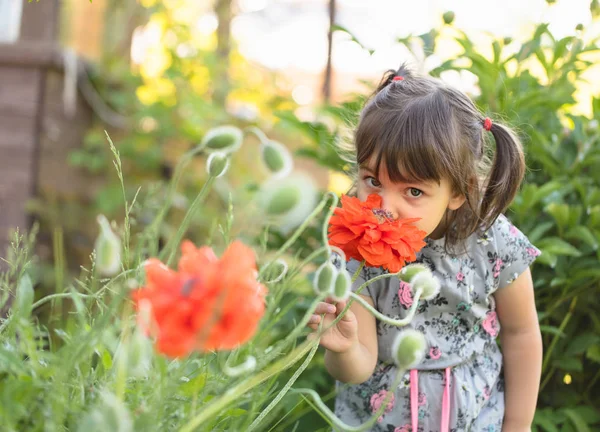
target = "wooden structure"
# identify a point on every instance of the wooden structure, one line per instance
(35, 133)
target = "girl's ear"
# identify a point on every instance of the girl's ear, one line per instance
(456, 202)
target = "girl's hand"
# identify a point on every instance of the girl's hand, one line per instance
(342, 336)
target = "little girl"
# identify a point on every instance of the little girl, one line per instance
(421, 146)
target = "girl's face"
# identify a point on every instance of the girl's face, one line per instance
(426, 200)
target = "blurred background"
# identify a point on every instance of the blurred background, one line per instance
(156, 75)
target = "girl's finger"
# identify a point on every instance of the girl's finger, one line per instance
(325, 308)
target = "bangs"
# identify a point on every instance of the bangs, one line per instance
(409, 141)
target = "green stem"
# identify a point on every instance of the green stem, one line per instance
(328, 217)
(171, 247)
(385, 318)
(219, 404)
(564, 323)
(262, 137)
(357, 272)
(339, 424)
(300, 229)
(185, 159)
(285, 389)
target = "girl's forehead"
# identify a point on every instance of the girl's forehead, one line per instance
(370, 166)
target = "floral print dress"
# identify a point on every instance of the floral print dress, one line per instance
(460, 326)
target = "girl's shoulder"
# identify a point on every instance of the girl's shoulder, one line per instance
(505, 249)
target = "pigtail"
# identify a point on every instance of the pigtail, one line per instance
(506, 173)
(389, 75)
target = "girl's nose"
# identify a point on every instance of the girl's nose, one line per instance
(389, 204)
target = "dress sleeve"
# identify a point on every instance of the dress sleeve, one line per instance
(512, 254)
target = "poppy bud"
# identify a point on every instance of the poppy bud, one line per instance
(595, 8)
(448, 17)
(136, 355)
(110, 414)
(108, 249)
(287, 202)
(24, 296)
(226, 139)
(283, 200)
(409, 348)
(217, 164)
(276, 158)
(428, 283)
(324, 278)
(411, 270)
(341, 287)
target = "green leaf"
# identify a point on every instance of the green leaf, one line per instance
(593, 353)
(557, 246)
(552, 330)
(560, 213)
(106, 360)
(547, 424)
(24, 296)
(539, 230)
(583, 233)
(570, 364)
(337, 27)
(577, 420)
(581, 343)
(588, 414)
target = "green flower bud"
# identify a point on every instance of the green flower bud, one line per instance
(283, 200)
(110, 414)
(341, 287)
(217, 164)
(411, 270)
(24, 296)
(324, 278)
(226, 139)
(448, 17)
(275, 271)
(507, 40)
(108, 249)
(579, 27)
(287, 202)
(409, 348)
(139, 355)
(428, 283)
(595, 8)
(276, 158)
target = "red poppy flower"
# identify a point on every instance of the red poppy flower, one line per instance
(208, 304)
(365, 231)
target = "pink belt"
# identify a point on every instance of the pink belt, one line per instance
(414, 401)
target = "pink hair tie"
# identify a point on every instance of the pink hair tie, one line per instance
(487, 124)
(398, 78)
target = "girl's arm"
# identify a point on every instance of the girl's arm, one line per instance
(522, 349)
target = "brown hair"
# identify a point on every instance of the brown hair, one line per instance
(422, 128)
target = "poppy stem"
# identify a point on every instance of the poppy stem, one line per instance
(384, 318)
(357, 272)
(339, 424)
(302, 227)
(219, 404)
(185, 159)
(285, 388)
(173, 243)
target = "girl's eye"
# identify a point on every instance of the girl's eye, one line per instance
(373, 182)
(414, 192)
